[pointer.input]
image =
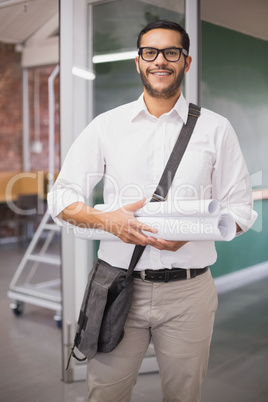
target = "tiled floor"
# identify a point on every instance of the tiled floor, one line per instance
(30, 350)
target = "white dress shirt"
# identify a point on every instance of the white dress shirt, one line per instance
(128, 148)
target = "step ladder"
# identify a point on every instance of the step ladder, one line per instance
(24, 287)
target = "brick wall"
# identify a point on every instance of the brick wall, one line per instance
(11, 122)
(11, 112)
(10, 108)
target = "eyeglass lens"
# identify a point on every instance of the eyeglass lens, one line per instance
(150, 54)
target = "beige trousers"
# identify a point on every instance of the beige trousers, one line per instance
(178, 317)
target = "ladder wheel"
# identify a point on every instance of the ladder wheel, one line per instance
(17, 307)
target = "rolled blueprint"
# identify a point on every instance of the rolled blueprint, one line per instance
(169, 209)
(202, 228)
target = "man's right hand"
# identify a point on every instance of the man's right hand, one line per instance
(123, 224)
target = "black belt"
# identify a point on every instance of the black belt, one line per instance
(166, 275)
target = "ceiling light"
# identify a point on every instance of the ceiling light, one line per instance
(105, 58)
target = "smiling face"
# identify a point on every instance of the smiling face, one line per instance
(161, 78)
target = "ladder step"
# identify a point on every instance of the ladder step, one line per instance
(52, 226)
(47, 259)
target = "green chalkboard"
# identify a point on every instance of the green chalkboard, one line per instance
(246, 250)
(235, 84)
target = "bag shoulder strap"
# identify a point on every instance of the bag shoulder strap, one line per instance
(167, 177)
(176, 155)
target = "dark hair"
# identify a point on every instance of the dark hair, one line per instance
(163, 24)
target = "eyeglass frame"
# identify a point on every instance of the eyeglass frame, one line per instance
(181, 49)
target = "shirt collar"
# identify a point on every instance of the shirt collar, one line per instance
(180, 107)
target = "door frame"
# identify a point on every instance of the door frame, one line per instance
(76, 50)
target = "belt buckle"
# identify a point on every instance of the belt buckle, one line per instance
(143, 276)
(188, 274)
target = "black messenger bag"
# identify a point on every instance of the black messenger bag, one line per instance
(108, 295)
(100, 327)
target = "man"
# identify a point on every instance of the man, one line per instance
(129, 146)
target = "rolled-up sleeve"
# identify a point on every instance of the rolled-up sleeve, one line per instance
(82, 169)
(230, 180)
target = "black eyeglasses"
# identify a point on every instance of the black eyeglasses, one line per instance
(170, 53)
